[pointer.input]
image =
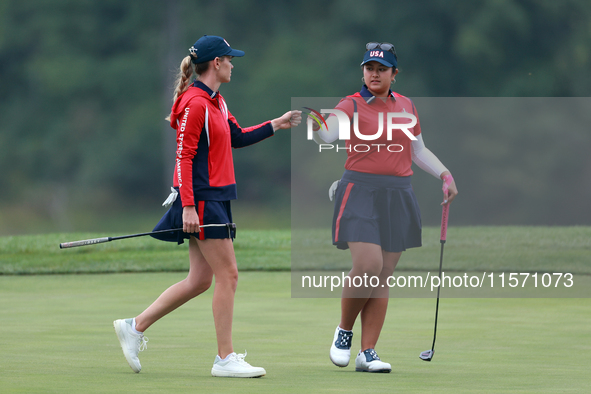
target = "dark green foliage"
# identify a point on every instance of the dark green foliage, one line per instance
(85, 86)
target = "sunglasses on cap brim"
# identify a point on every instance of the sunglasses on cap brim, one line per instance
(386, 46)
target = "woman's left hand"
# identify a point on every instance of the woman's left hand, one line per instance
(288, 120)
(450, 191)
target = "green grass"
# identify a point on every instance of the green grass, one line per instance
(56, 337)
(40, 254)
(510, 248)
(541, 249)
(56, 334)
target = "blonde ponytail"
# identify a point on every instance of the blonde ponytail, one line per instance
(182, 79)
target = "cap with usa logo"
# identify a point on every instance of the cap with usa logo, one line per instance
(385, 57)
(209, 47)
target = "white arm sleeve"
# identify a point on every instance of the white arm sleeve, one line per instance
(425, 159)
(328, 135)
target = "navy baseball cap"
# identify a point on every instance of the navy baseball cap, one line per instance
(209, 47)
(385, 55)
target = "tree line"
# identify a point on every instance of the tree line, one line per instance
(85, 87)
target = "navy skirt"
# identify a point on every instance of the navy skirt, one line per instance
(378, 209)
(209, 212)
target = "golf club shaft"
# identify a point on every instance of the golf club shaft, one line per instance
(444, 219)
(94, 241)
(438, 289)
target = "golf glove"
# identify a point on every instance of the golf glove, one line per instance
(332, 190)
(171, 198)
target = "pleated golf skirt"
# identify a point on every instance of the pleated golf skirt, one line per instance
(209, 212)
(378, 209)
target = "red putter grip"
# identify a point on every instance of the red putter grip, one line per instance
(444, 217)
(447, 181)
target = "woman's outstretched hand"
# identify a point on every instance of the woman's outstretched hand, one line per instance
(287, 120)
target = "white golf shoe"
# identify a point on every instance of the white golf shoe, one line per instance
(368, 361)
(234, 366)
(340, 350)
(131, 343)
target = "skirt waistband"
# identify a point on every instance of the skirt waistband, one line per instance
(377, 180)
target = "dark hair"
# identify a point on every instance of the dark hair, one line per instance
(391, 68)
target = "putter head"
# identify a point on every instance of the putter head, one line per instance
(427, 355)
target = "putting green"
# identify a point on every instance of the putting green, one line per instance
(56, 336)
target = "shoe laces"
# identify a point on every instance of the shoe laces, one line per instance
(142, 343)
(344, 339)
(372, 353)
(239, 357)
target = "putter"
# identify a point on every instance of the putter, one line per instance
(231, 227)
(427, 355)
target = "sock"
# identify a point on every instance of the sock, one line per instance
(344, 330)
(133, 327)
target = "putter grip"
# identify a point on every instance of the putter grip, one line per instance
(85, 242)
(444, 217)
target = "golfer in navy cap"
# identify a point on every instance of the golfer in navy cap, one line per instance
(203, 185)
(376, 213)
